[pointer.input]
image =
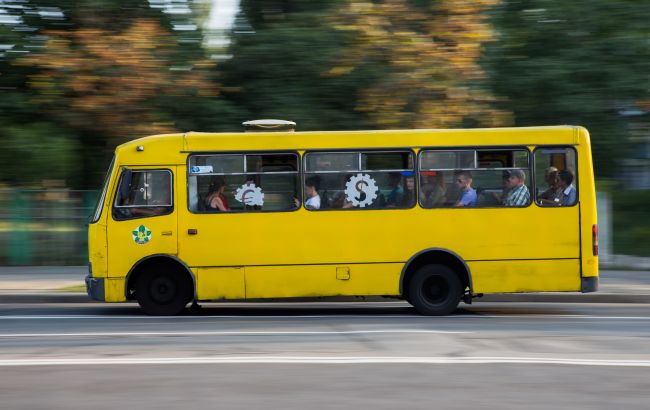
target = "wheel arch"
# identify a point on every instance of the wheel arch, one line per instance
(436, 256)
(157, 259)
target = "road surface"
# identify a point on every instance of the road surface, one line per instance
(326, 356)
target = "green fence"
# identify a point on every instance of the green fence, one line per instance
(44, 227)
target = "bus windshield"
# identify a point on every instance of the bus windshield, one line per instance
(100, 201)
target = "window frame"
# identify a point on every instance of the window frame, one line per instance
(410, 150)
(243, 154)
(575, 174)
(99, 206)
(117, 191)
(530, 168)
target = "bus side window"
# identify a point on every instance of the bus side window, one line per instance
(243, 182)
(555, 179)
(360, 180)
(143, 194)
(474, 178)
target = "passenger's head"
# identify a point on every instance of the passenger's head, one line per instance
(217, 184)
(565, 177)
(514, 178)
(394, 179)
(463, 179)
(312, 185)
(550, 175)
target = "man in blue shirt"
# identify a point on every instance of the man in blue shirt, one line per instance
(569, 194)
(468, 196)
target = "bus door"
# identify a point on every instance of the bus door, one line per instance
(142, 221)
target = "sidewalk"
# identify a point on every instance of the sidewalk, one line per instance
(64, 284)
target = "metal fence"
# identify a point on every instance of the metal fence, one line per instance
(44, 227)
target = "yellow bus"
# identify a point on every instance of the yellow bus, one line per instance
(430, 216)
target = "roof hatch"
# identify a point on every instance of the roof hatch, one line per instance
(269, 126)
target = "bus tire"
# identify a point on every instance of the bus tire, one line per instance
(163, 292)
(435, 290)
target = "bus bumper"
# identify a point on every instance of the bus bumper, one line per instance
(95, 288)
(589, 284)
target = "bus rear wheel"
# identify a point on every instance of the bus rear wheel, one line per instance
(163, 292)
(435, 290)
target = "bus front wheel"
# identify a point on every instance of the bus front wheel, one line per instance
(163, 292)
(435, 290)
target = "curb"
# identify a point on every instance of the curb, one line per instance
(70, 297)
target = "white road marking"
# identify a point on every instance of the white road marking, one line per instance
(289, 316)
(320, 360)
(227, 333)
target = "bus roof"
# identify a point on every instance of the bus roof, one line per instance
(173, 148)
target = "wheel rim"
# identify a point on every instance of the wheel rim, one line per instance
(435, 290)
(162, 290)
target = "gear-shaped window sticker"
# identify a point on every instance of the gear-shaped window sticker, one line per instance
(249, 194)
(361, 190)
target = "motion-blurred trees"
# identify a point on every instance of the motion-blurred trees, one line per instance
(281, 54)
(360, 64)
(105, 72)
(111, 81)
(573, 62)
(428, 55)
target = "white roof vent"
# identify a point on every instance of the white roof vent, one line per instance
(269, 125)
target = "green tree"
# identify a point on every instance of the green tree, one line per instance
(105, 72)
(282, 52)
(428, 54)
(573, 62)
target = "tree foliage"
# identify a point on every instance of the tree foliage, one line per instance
(428, 55)
(573, 62)
(110, 81)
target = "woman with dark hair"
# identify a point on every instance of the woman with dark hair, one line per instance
(216, 200)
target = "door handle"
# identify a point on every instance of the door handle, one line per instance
(166, 233)
(192, 231)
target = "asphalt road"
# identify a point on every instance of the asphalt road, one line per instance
(326, 356)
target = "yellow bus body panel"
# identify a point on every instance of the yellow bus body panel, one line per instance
(525, 276)
(220, 283)
(322, 280)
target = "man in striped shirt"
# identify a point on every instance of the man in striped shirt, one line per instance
(518, 194)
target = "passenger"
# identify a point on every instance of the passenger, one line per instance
(432, 191)
(339, 201)
(552, 195)
(517, 192)
(468, 194)
(216, 200)
(409, 193)
(396, 195)
(312, 185)
(569, 194)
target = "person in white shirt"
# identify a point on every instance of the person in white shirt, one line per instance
(312, 184)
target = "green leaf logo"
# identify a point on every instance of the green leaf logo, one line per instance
(141, 235)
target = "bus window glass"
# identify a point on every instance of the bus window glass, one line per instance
(99, 206)
(555, 177)
(380, 180)
(334, 162)
(245, 183)
(217, 164)
(143, 193)
(497, 178)
(439, 160)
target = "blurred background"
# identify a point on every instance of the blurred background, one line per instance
(79, 77)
